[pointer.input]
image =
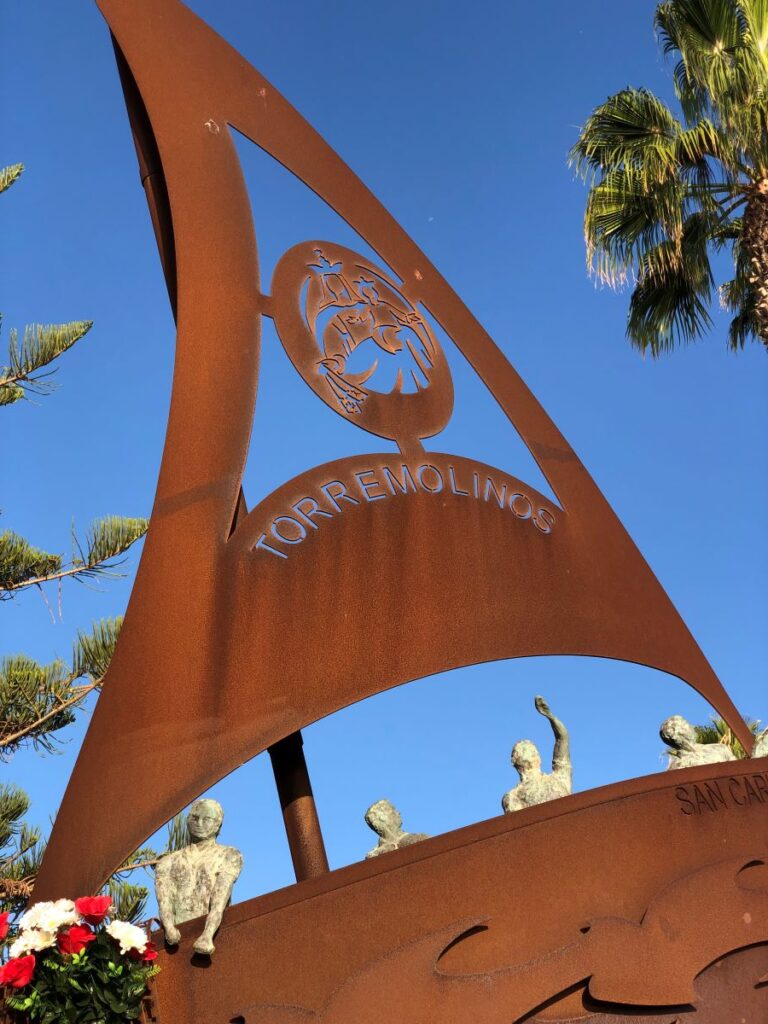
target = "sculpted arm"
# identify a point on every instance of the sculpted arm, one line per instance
(561, 755)
(222, 891)
(165, 903)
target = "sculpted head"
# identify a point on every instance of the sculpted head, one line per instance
(384, 818)
(526, 758)
(678, 733)
(205, 819)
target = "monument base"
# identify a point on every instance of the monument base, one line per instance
(642, 901)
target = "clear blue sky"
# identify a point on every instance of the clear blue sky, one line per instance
(459, 118)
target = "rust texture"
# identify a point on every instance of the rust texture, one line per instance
(224, 649)
(597, 904)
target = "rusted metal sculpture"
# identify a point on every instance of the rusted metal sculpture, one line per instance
(221, 653)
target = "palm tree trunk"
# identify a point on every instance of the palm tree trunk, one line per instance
(754, 239)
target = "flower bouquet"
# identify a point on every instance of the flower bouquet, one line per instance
(71, 963)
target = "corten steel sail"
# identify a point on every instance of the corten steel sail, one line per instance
(227, 646)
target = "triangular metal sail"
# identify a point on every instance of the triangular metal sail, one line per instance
(361, 574)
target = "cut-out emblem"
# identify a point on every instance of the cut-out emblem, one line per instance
(360, 343)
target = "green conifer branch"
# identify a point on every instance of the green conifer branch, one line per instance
(39, 347)
(9, 174)
(14, 804)
(22, 565)
(37, 700)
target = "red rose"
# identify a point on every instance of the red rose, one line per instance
(4, 924)
(74, 939)
(93, 908)
(18, 972)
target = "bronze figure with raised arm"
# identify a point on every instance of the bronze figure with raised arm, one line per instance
(536, 787)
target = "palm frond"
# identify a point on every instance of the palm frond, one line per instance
(744, 327)
(624, 218)
(664, 192)
(754, 18)
(669, 303)
(633, 130)
(717, 730)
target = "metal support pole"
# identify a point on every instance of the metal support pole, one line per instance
(302, 824)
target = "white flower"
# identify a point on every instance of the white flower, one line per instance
(128, 935)
(50, 916)
(30, 941)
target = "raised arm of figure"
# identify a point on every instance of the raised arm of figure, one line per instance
(561, 755)
(230, 868)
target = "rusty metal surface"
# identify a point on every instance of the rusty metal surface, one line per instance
(609, 905)
(222, 649)
(644, 901)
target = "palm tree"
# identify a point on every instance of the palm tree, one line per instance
(718, 731)
(666, 193)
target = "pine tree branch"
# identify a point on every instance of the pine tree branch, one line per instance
(37, 700)
(22, 565)
(33, 840)
(39, 347)
(79, 694)
(9, 174)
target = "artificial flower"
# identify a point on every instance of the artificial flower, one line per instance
(32, 940)
(50, 916)
(128, 935)
(149, 954)
(93, 909)
(75, 939)
(18, 972)
(4, 924)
